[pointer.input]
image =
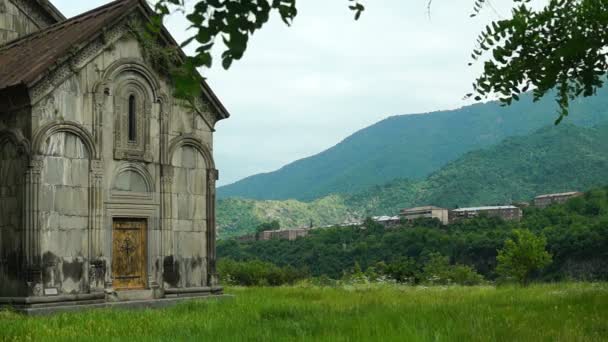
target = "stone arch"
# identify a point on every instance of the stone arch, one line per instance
(17, 138)
(135, 168)
(74, 128)
(65, 194)
(197, 144)
(190, 196)
(133, 65)
(125, 78)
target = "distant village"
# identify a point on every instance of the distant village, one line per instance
(511, 212)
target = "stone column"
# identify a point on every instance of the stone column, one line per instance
(212, 177)
(97, 264)
(166, 188)
(31, 215)
(166, 185)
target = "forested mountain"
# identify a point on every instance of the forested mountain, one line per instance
(409, 146)
(552, 159)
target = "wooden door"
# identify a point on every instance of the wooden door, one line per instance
(129, 254)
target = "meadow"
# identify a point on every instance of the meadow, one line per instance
(547, 312)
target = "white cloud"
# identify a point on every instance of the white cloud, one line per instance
(302, 89)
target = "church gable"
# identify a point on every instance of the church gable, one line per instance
(47, 58)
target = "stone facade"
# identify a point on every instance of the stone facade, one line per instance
(506, 212)
(544, 201)
(21, 17)
(411, 214)
(71, 167)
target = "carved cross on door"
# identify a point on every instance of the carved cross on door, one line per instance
(128, 247)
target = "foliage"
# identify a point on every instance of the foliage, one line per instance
(556, 312)
(438, 271)
(576, 233)
(274, 225)
(241, 216)
(232, 22)
(409, 147)
(556, 46)
(553, 159)
(164, 59)
(522, 255)
(257, 273)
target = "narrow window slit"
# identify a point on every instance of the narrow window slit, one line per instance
(132, 118)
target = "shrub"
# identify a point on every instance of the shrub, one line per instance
(438, 271)
(522, 255)
(466, 275)
(257, 273)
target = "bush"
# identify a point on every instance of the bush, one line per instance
(438, 271)
(466, 275)
(257, 273)
(522, 255)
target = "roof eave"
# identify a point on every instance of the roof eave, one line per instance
(52, 10)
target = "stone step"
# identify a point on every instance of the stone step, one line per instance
(68, 303)
(129, 295)
(132, 304)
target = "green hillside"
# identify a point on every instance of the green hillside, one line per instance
(409, 146)
(552, 159)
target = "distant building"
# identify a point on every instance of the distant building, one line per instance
(544, 201)
(266, 235)
(387, 221)
(246, 238)
(291, 234)
(430, 211)
(506, 212)
(285, 234)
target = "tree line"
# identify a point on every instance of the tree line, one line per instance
(574, 235)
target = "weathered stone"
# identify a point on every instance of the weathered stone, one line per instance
(87, 209)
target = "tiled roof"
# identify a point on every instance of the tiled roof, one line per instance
(563, 194)
(417, 209)
(27, 59)
(498, 207)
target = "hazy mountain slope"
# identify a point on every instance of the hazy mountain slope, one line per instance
(237, 216)
(408, 146)
(551, 159)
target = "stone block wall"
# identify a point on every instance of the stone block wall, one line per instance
(12, 171)
(188, 198)
(16, 22)
(64, 213)
(77, 185)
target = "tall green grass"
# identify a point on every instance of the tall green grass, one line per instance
(557, 312)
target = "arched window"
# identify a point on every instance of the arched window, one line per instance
(132, 118)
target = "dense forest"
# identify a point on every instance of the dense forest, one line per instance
(410, 147)
(552, 159)
(576, 233)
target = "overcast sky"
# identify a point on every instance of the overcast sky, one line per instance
(302, 89)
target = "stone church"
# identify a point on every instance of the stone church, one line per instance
(107, 181)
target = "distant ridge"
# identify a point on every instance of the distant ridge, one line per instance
(409, 146)
(552, 159)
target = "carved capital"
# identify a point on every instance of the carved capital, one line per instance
(36, 164)
(213, 174)
(97, 168)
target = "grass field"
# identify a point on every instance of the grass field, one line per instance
(561, 312)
